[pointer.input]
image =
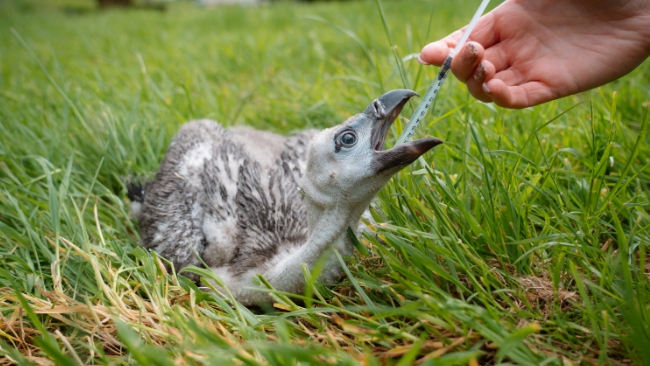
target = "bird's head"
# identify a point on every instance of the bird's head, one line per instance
(348, 164)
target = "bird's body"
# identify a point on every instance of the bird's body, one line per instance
(232, 197)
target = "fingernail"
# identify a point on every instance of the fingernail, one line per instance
(422, 61)
(486, 89)
(479, 74)
(469, 54)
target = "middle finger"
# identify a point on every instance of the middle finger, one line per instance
(465, 62)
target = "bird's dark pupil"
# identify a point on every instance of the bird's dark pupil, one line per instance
(348, 139)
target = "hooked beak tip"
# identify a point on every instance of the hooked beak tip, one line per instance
(423, 145)
(391, 102)
(383, 111)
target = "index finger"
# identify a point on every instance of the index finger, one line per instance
(484, 33)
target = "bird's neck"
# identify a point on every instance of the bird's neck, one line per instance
(328, 224)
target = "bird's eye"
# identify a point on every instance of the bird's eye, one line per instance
(349, 139)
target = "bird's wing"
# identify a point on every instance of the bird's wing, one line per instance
(271, 210)
(197, 178)
(214, 199)
(271, 214)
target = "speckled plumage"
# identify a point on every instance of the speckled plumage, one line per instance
(232, 197)
(231, 206)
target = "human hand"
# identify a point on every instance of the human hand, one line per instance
(528, 52)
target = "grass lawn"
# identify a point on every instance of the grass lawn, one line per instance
(522, 240)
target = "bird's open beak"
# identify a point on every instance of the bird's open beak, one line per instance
(384, 110)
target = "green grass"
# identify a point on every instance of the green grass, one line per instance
(522, 240)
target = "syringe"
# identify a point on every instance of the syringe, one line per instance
(433, 90)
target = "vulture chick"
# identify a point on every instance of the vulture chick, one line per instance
(234, 196)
